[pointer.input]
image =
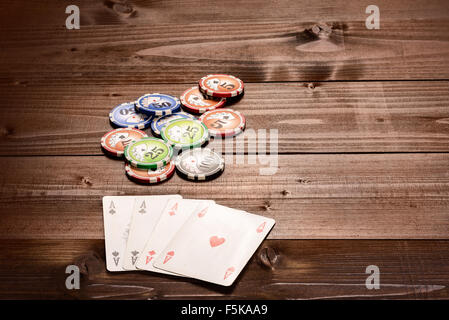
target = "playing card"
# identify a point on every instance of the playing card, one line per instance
(214, 246)
(174, 216)
(116, 215)
(145, 215)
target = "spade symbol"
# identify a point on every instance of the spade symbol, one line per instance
(116, 258)
(143, 208)
(112, 208)
(134, 257)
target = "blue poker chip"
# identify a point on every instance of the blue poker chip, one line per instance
(158, 123)
(126, 116)
(158, 104)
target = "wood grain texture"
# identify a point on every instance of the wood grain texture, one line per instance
(285, 269)
(391, 196)
(310, 117)
(254, 51)
(28, 13)
(340, 96)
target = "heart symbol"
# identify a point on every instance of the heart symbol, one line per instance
(228, 272)
(173, 210)
(216, 241)
(261, 227)
(203, 212)
(150, 256)
(169, 255)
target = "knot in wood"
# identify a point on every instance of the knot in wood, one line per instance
(310, 86)
(125, 8)
(86, 181)
(267, 205)
(89, 264)
(322, 30)
(268, 257)
(4, 132)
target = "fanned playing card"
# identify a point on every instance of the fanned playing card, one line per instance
(174, 216)
(117, 216)
(145, 216)
(214, 246)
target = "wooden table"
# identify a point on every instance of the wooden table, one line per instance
(363, 122)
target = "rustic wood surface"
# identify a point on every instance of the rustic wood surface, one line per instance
(254, 51)
(363, 127)
(343, 196)
(280, 269)
(313, 117)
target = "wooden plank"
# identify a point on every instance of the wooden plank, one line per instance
(285, 269)
(367, 196)
(27, 13)
(310, 117)
(254, 51)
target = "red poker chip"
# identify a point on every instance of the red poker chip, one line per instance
(194, 101)
(149, 176)
(115, 141)
(221, 85)
(224, 122)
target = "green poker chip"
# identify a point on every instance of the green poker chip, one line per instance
(148, 153)
(185, 133)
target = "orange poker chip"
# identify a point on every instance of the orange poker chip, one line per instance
(194, 101)
(224, 122)
(221, 85)
(114, 142)
(150, 175)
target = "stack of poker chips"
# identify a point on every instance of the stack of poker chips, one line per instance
(178, 137)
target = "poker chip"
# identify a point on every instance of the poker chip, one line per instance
(125, 116)
(224, 122)
(194, 101)
(157, 104)
(221, 85)
(149, 176)
(115, 141)
(185, 133)
(199, 164)
(158, 123)
(148, 153)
